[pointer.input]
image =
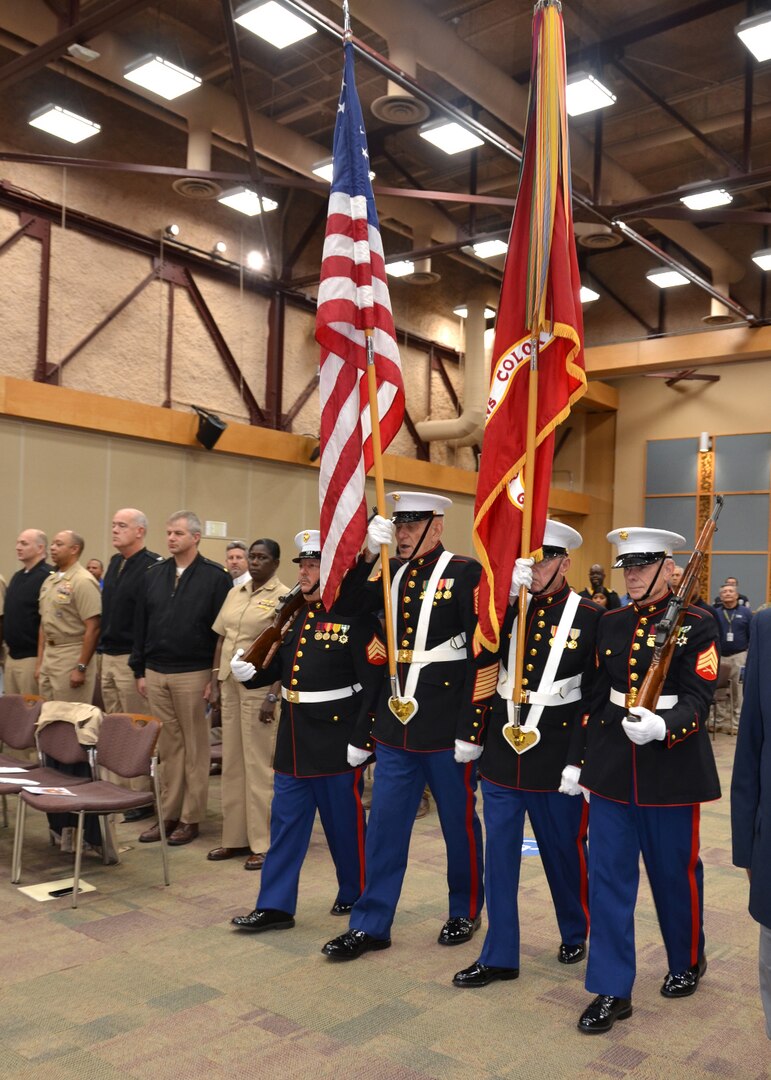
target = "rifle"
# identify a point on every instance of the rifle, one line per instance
(668, 629)
(261, 651)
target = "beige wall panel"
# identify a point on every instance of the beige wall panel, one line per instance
(148, 476)
(648, 409)
(19, 299)
(217, 489)
(283, 499)
(63, 484)
(11, 520)
(301, 364)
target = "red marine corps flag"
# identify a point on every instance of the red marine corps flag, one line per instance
(538, 364)
(353, 321)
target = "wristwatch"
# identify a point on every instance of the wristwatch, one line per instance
(82, 668)
(272, 698)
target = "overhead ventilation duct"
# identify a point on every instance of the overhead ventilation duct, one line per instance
(719, 314)
(398, 106)
(199, 158)
(596, 236)
(467, 429)
(422, 274)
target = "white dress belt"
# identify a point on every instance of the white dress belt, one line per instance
(452, 649)
(312, 697)
(563, 692)
(666, 701)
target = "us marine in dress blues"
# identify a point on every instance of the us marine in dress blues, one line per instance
(330, 666)
(434, 596)
(558, 668)
(647, 773)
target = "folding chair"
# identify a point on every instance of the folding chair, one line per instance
(126, 747)
(18, 716)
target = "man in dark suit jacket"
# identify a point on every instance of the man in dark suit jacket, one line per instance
(751, 794)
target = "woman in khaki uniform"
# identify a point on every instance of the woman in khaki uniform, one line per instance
(248, 728)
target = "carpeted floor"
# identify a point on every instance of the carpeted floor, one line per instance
(150, 982)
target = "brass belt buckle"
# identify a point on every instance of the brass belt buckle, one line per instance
(404, 656)
(293, 697)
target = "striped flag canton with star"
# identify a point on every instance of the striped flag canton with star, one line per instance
(353, 298)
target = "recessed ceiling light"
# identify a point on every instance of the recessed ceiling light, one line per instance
(587, 295)
(162, 77)
(584, 94)
(666, 278)
(488, 249)
(755, 33)
(246, 201)
(450, 137)
(705, 200)
(400, 269)
(64, 124)
(324, 170)
(273, 23)
(462, 312)
(763, 259)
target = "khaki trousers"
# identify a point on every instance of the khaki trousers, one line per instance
(58, 662)
(177, 701)
(20, 676)
(247, 767)
(724, 717)
(120, 695)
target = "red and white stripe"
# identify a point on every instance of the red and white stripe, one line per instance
(353, 297)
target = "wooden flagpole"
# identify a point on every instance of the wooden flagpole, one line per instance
(377, 463)
(527, 521)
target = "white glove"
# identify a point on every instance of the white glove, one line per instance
(379, 531)
(647, 728)
(242, 669)
(466, 751)
(523, 575)
(569, 784)
(356, 756)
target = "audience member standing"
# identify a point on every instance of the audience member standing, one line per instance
(734, 620)
(21, 620)
(70, 615)
(174, 643)
(237, 563)
(597, 585)
(248, 728)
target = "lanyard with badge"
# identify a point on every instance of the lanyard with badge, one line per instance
(729, 633)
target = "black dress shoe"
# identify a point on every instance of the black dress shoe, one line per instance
(571, 954)
(340, 909)
(264, 919)
(456, 931)
(603, 1013)
(139, 814)
(353, 944)
(684, 983)
(480, 975)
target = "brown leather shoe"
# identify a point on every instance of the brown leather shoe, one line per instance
(217, 854)
(254, 862)
(153, 834)
(184, 833)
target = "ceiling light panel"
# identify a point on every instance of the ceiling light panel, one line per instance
(161, 77)
(451, 137)
(755, 33)
(665, 278)
(274, 23)
(705, 200)
(584, 94)
(246, 201)
(64, 124)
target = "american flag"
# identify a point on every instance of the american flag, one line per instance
(353, 297)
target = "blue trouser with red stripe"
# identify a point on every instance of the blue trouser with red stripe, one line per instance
(668, 837)
(292, 813)
(559, 824)
(400, 779)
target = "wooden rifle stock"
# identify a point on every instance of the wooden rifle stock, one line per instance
(668, 629)
(261, 650)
